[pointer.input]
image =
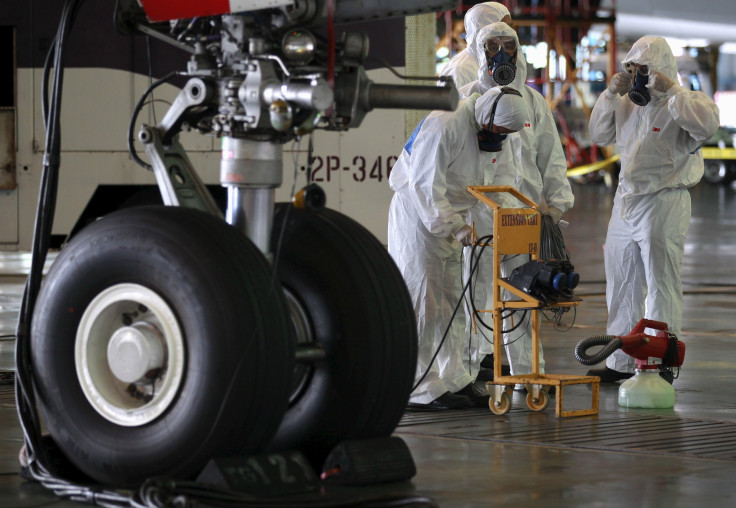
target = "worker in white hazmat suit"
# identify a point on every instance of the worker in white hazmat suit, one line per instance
(540, 173)
(427, 229)
(657, 124)
(463, 67)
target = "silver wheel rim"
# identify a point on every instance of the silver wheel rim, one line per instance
(300, 322)
(120, 307)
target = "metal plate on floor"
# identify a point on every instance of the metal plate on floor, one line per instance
(629, 432)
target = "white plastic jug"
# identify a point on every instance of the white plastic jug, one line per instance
(646, 389)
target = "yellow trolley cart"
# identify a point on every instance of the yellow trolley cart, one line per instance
(518, 231)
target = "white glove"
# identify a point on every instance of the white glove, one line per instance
(620, 83)
(464, 235)
(555, 214)
(659, 82)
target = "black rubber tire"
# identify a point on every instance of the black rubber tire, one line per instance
(731, 173)
(361, 313)
(238, 341)
(716, 172)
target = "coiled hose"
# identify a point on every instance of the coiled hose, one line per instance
(611, 343)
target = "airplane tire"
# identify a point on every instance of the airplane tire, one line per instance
(357, 307)
(160, 340)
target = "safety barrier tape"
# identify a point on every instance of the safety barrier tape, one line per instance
(709, 152)
(712, 152)
(594, 166)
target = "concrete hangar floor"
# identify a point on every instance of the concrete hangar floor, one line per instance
(684, 456)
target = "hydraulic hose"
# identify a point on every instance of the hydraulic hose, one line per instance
(611, 343)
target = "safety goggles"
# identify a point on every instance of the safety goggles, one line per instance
(633, 67)
(495, 44)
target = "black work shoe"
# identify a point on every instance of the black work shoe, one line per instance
(486, 369)
(478, 398)
(445, 401)
(487, 362)
(609, 375)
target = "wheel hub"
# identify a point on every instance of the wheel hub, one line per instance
(129, 354)
(136, 353)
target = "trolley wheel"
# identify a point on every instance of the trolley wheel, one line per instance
(347, 297)
(501, 406)
(160, 339)
(541, 403)
(510, 390)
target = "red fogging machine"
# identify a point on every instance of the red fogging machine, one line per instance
(660, 351)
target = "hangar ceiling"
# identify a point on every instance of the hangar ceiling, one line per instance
(713, 21)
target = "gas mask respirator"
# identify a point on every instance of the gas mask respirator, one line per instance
(502, 68)
(501, 58)
(639, 94)
(489, 141)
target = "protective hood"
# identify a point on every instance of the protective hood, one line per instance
(479, 16)
(655, 53)
(485, 81)
(511, 111)
(470, 104)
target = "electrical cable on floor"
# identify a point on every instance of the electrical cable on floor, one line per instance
(170, 493)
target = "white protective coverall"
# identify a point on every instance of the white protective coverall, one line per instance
(463, 67)
(429, 207)
(539, 172)
(651, 209)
